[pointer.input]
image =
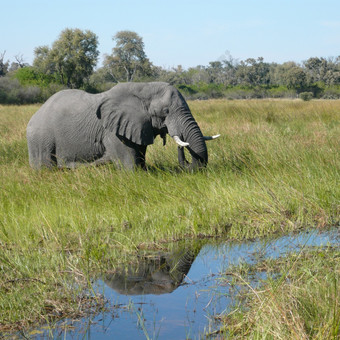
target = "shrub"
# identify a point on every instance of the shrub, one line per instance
(51, 89)
(281, 92)
(237, 92)
(26, 86)
(306, 96)
(12, 92)
(331, 92)
(31, 76)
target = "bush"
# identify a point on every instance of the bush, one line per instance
(238, 92)
(331, 92)
(281, 92)
(51, 89)
(208, 91)
(306, 96)
(202, 91)
(12, 92)
(31, 76)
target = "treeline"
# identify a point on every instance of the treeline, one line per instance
(71, 60)
(254, 78)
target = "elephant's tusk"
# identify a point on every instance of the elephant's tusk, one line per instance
(180, 142)
(211, 137)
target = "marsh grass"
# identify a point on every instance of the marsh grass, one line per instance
(274, 169)
(301, 302)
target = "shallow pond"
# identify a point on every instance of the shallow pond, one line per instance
(175, 294)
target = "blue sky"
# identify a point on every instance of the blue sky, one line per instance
(181, 32)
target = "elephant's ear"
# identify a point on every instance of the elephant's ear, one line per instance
(126, 120)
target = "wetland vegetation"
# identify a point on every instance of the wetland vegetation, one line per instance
(298, 300)
(275, 169)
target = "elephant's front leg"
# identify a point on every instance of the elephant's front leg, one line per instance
(132, 154)
(140, 156)
(123, 152)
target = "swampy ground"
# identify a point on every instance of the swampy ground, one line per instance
(275, 169)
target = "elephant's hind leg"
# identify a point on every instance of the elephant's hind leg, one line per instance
(42, 157)
(42, 152)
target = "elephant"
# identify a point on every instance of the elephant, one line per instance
(153, 273)
(74, 127)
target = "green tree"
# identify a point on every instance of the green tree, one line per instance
(128, 59)
(278, 72)
(322, 70)
(198, 74)
(316, 69)
(296, 79)
(216, 72)
(43, 60)
(72, 57)
(230, 68)
(253, 72)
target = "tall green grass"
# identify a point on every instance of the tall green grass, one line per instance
(274, 169)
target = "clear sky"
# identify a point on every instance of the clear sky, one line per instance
(181, 32)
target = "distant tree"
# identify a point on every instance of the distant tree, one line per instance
(3, 65)
(273, 67)
(216, 72)
(20, 61)
(128, 59)
(278, 72)
(253, 72)
(316, 69)
(43, 60)
(322, 70)
(296, 79)
(230, 68)
(332, 77)
(175, 76)
(197, 75)
(72, 57)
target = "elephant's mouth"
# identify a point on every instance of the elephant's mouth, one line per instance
(162, 132)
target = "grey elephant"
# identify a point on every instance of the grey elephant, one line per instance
(116, 126)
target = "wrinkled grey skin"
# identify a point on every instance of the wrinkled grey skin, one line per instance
(153, 274)
(116, 126)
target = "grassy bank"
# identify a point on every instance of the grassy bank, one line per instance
(274, 169)
(301, 302)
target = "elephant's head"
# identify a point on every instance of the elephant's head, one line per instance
(171, 114)
(145, 110)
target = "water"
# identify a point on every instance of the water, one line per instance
(174, 295)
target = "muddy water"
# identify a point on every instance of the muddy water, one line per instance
(174, 294)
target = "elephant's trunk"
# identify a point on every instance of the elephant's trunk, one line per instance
(186, 129)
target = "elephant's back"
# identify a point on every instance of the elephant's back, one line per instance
(63, 103)
(63, 113)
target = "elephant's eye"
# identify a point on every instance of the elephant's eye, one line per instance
(166, 110)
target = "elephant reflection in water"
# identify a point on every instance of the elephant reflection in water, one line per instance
(155, 274)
